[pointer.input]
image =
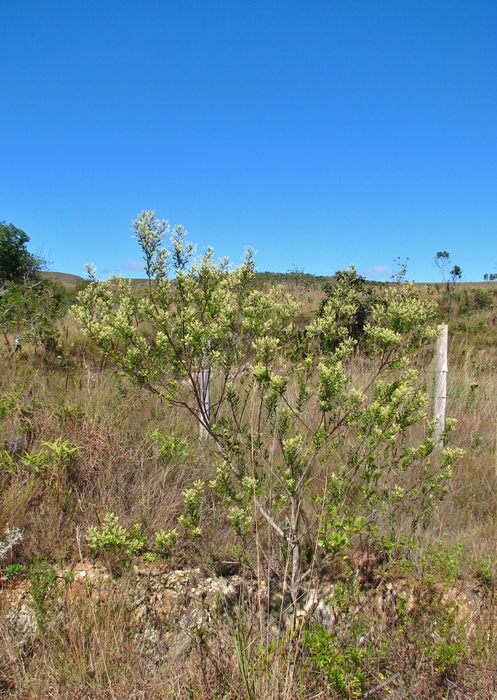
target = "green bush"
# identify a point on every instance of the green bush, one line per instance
(306, 447)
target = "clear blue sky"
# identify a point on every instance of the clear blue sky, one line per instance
(321, 132)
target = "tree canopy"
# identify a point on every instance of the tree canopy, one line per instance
(29, 305)
(16, 262)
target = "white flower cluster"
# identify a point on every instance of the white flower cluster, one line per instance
(12, 537)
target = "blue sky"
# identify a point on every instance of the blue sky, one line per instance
(322, 133)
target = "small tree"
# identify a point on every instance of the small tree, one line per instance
(16, 262)
(449, 277)
(29, 305)
(305, 445)
(360, 295)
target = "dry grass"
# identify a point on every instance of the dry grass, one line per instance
(87, 646)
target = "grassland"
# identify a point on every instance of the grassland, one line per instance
(80, 442)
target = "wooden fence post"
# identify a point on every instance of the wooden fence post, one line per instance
(441, 371)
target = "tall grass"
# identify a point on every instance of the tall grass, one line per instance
(421, 626)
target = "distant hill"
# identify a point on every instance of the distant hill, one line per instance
(69, 282)
(72, 282)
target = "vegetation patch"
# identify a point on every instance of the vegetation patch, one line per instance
(224, 485)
